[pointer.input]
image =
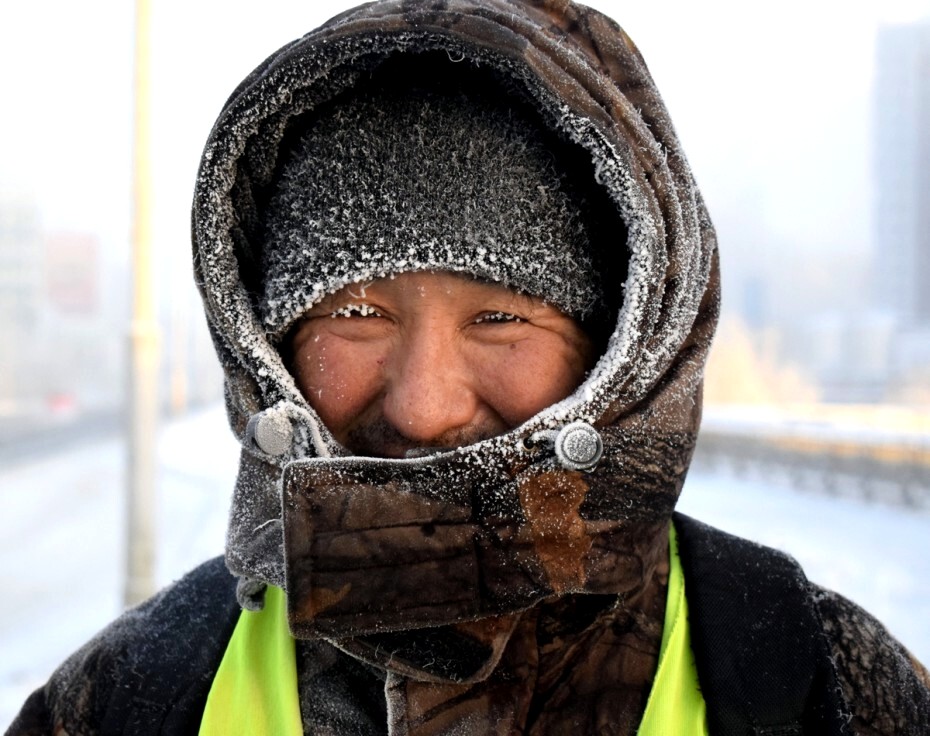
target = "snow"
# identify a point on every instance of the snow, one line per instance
(61, 545)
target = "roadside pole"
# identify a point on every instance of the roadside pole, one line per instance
(144, 341)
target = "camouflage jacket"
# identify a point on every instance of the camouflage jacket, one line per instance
(150, 671)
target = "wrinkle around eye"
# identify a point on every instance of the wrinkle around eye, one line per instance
(501, 332)
(350, 325)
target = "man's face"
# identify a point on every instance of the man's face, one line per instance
(433, 360)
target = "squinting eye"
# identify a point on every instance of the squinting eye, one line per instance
(497, 318)
(355, 310)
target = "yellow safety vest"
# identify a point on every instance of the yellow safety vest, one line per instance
(254, 692)
(675, 704)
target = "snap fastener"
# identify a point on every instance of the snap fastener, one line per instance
(271, 432)
(579, 446)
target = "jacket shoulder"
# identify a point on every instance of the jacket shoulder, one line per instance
(761, 656)
(147, 672)
(755, 609)
(887, 688)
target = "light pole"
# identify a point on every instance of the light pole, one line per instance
(144, 341)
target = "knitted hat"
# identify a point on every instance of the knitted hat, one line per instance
(416, 179)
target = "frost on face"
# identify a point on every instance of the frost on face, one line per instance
(498, 317)
(361, 288)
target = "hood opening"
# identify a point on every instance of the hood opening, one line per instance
(447, 64)
(271, 108)
(442, 79)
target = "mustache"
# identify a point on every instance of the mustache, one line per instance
(380, 438)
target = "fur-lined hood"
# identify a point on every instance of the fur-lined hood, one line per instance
(522, 517)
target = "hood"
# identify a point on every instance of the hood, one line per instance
(573, 500)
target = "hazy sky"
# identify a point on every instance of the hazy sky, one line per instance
(772, 103)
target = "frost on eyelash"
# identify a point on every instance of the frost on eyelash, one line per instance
(498, 317)
(363, 290)
(362, 310)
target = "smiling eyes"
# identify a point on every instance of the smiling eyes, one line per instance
(366, 310)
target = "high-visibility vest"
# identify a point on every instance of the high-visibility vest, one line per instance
(254, 692)
(675, 704)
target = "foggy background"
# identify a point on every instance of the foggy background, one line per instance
(808, 129)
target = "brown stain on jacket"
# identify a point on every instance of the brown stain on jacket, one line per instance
(322, 598)
(551, 503)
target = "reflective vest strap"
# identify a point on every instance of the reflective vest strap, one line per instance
(675, 704)
(254, 692)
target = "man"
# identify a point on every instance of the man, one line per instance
(462, 285)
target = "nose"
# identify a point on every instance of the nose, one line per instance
(430, 396)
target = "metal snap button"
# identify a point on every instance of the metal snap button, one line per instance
(579, 446)
(271, 432)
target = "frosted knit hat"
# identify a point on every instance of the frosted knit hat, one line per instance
(417, 179)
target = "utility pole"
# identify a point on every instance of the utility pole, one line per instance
(179, 391)
(144, 341)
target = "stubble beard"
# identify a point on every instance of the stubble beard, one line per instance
(380, 438)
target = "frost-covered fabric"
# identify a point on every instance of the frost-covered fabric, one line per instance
(443, 571)
(887, 688)
(150, 671)
(446, 176)
(489, 589)
(588, 84)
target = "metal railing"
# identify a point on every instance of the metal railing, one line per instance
(880, 466)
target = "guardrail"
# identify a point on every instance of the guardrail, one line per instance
(878, 466)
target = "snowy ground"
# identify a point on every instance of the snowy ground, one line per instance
(61, 547)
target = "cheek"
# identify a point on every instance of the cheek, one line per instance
(521, 379)
(339, 379)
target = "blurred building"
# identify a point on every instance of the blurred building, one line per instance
(64, 325)
(902, 171)
(60, 358)
(20, 305)
(902, 193)
(81, 363)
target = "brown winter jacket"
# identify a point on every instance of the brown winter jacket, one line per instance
(496, 588)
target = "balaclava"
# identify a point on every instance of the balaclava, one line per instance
(401, 177)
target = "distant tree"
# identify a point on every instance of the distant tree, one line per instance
(912, 388)
(739, 372)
